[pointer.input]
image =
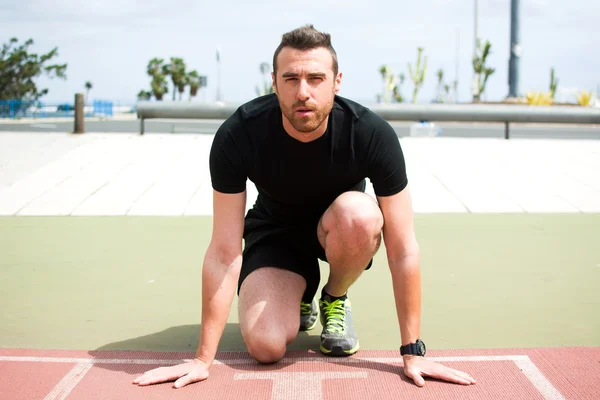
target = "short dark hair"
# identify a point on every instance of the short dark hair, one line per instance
(306, 38)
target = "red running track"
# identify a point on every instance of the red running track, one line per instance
(548, 373)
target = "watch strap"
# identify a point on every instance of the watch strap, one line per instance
(417, 349)
(411, 348)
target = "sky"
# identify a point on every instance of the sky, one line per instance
(110, 42)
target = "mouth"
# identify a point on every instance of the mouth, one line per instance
(302, 111)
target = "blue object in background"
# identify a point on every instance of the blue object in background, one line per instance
(16, 108)
(425, 129)
(103, 107)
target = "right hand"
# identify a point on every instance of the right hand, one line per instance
(183, 374)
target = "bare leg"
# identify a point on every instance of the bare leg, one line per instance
(350, 233)
(269, 312)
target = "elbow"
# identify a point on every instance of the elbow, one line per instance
(224, 254)
(405, 255)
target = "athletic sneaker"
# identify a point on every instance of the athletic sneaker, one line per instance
(308, 315)
(338, 337)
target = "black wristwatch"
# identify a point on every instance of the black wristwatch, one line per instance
(416, 349)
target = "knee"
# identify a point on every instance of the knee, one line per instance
(266, 347)
(355, 214)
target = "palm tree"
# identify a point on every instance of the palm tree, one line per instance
(482, 72)
(440, 84)
(88, 87)
(391, 85)
(265, 69)
(455, 89)
(159, 86)
(396, 91)
(384, 71)
(157, 71)
(418, 73)
(155, 67)
(177, 71)
(144, 95)
(193, 80)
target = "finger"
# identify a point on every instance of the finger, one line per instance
(463, 375)
(189, 378)
(151, 378)
(150, 381)
(465, 380)
(438, 371)
(456, 376)
(418, 379)
(184, 380)
(451, 377)
(146, 375)
(141, 378)
(415, 376)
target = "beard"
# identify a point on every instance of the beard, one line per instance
(310, 122)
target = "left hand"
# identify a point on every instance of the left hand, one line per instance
(416, 368)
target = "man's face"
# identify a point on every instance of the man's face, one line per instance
(305, 86)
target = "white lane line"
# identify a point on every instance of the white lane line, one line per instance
(69, 381)
(298, 385)
(538, 380)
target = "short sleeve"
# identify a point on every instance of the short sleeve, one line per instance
(227, 165)
(386, 164)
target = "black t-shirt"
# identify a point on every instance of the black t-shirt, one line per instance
(297, 181)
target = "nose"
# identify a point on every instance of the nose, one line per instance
(303, 90)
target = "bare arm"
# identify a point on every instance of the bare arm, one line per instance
(222, 263)
(404, 262)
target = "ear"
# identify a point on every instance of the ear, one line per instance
(274, 82)
(337, 83)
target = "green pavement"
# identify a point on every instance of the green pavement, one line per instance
(489, 281)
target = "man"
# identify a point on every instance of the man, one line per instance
(308, 151)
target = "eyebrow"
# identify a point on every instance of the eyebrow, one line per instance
(311, 75)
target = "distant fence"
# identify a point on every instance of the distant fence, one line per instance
(499, 113)
(17, 108)
(104, 108)
(38, 109)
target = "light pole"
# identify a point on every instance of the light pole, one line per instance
(455, 88)
(475, 87)
(218, 75)
(476, 26)
(515, 50)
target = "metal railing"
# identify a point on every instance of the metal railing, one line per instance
(499, 113)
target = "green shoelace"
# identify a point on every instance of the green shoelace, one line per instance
(305, 308)
(335, 316)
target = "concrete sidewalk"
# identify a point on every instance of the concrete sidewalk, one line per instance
(165, 174)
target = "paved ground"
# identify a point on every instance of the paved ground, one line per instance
(163, 174)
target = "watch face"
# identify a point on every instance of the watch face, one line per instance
(422, 348)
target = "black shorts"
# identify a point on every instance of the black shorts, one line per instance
(294, 248)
